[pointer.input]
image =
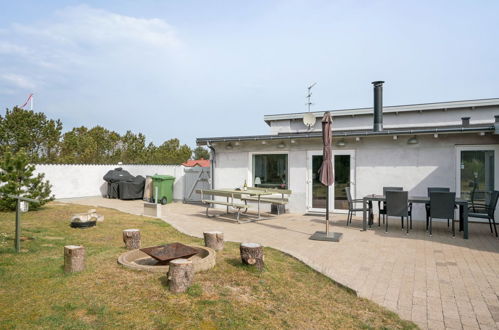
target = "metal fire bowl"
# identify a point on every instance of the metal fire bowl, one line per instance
(168, 252)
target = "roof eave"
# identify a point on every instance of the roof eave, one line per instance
(421, 131)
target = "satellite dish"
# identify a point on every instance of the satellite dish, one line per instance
(309, 119)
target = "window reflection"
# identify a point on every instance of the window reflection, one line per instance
(270, 171)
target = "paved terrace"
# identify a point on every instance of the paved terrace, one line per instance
(438, 282)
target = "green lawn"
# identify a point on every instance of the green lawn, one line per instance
(35, 293)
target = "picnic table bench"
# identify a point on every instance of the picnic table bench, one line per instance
(229, 194)
(251, 194)
(278, 201)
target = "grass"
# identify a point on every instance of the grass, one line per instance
(35, 292)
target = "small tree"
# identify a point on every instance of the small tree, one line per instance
(17, 178)
(171, 152)
(31, 131)
(201, 152)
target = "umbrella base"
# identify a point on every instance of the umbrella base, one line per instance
(321, 236)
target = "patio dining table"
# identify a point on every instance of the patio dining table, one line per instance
(367, 207)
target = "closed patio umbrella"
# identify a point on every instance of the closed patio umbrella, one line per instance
(326, 170)
(326, 176)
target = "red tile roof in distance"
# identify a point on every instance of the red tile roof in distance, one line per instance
(198, 162)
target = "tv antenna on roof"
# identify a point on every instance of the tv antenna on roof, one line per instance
(309, 95)
(309, 118)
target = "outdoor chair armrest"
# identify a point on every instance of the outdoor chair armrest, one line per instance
(476, 207)
(483, 207)
(478, 215)
(475, 204)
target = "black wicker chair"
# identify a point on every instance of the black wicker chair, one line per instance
(397, 205)
(427, 205)
(351, 205)
(488, 211)
(382, 210)
(442, 205)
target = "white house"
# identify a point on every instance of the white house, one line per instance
(445, 144)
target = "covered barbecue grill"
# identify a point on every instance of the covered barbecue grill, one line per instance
(133, 189)
(121, 184)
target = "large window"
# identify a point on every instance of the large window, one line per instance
(270, 171)
(477, 174)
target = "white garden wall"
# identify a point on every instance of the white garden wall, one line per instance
(86, 180)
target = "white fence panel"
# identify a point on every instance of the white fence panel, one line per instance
(81, 180)
(195, 178)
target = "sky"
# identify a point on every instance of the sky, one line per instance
(188, 69)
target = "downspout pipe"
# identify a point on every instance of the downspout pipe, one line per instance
(213, 161)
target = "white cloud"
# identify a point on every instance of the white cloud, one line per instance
(83, 25)
(79, 42)
(18, 81)
(10, 48)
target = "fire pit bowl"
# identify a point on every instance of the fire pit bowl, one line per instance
(165, 253)
(203, 259)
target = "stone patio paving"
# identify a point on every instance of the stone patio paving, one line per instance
(439, 282)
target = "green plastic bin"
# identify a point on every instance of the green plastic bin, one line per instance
(163, 184)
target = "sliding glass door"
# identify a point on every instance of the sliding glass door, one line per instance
(477, 172)
(343, 177)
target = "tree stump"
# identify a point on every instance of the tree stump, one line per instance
(131, 238)
(74, 258)
(180, 275)
(214, 240)
(252, 254)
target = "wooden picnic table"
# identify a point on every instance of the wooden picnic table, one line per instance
(236, 193)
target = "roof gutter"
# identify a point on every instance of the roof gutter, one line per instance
(448, 130)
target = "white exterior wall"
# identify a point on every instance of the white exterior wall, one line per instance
(379, 161)
(82, 180)
(392, 120)
(298, 176)
(234, 167)
(231, 169)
